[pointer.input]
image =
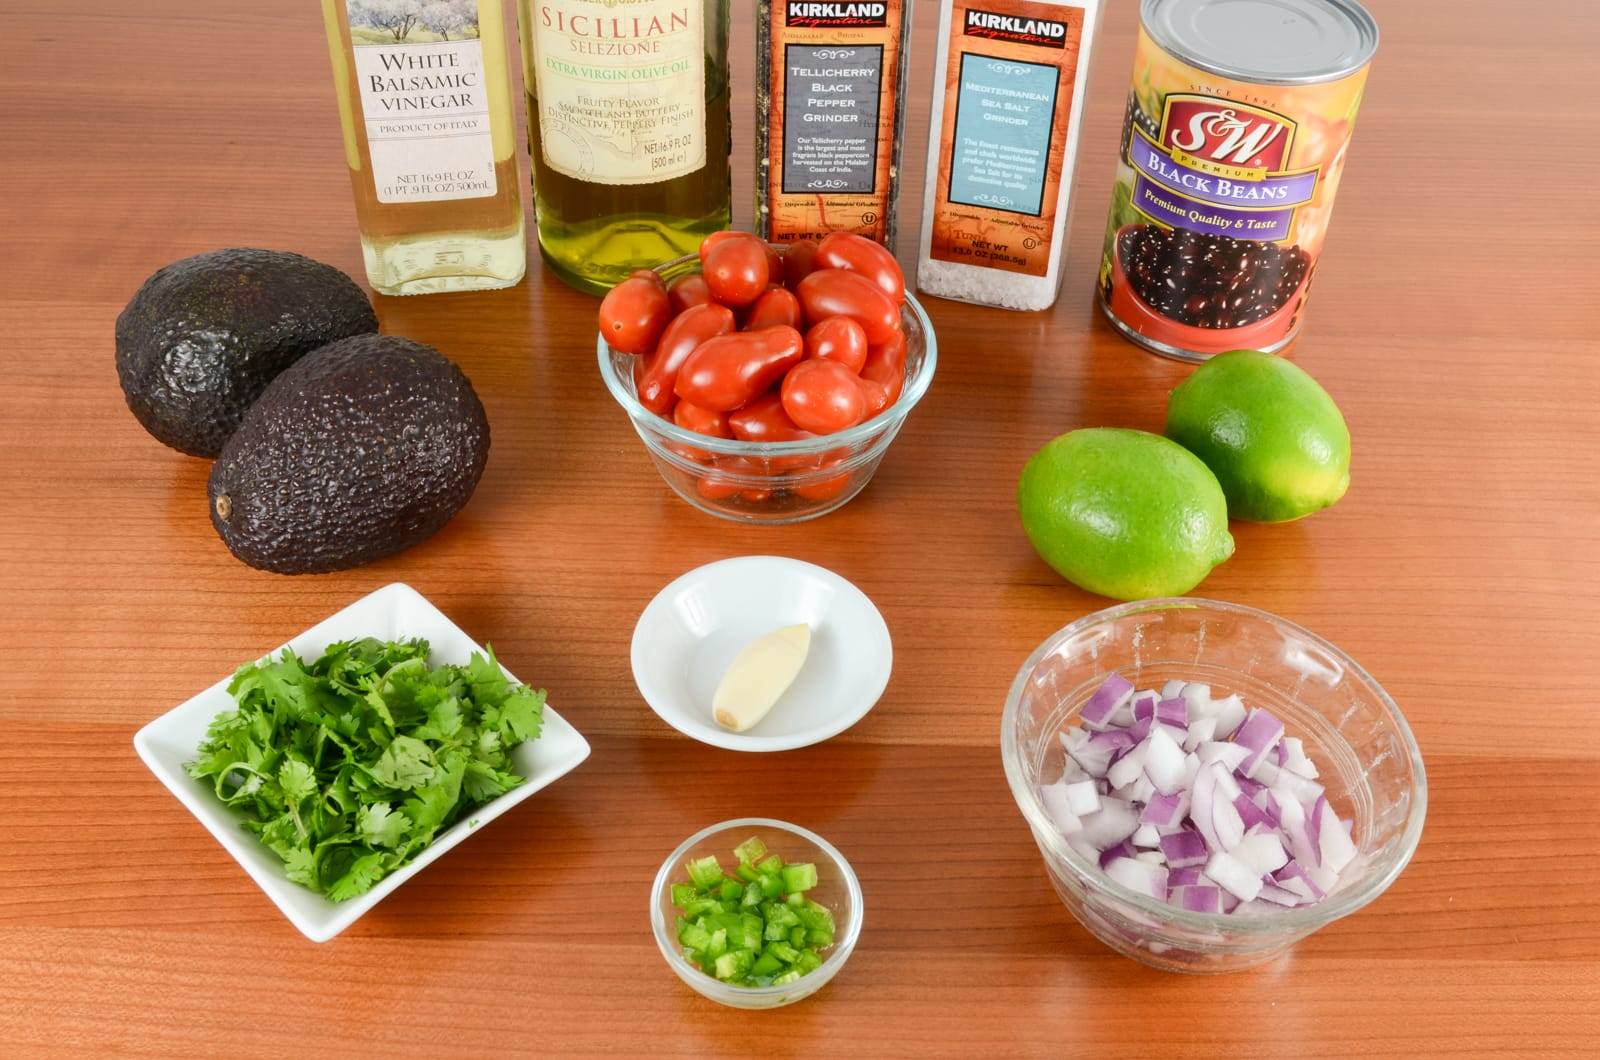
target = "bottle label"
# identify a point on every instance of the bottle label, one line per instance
(829, 110)
(621, 88)
(419, 67)
(1008, 99)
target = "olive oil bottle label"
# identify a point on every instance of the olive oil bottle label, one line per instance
(419, 66)
(621, 88)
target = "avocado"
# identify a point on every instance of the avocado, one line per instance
(357, 451)
(204, 336)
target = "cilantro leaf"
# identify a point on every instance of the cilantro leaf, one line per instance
(296, 780)
(380, 826)
(405, 764)
(522, 716)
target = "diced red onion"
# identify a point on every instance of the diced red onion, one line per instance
(1165, 811)
(1196, 695)
(1250, 813)
(1113, 822)
(1335, 847)
(1293, 878)
(1263, 852)
(1197, 801)
(1163, 761)
(1197, 898)
(1082, 797)
(1148, 837)
(1123, 849)
(1229, 754)
(1140, 876)
(1233, 876)
(1200, 731)
(1184, 848)
(1259, 734)
(1229, 713)
(1113, 692)
(1058, 805)
(1127, 768)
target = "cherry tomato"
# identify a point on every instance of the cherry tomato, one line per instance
(725, 372)
(824, 489)
(736, 270)
(846, 250)
(723, 236)
(687, 330)
(715, 487)
(692, 417)
(634, 312)
(776, 306)
(688, 290)
(798, 260)
(823, 396)
(837, 339)
(763, 420)
(774, 263)
(883, 376)
(838, 293)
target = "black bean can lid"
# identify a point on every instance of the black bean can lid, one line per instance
(1272, 42)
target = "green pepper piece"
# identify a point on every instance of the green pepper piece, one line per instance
(750, 851)
(783, 951)
(786, 978)
(705, 873)
(682, 894)
(770, 866)
(730, 890)
(808, 962)
(766, 964)
(801, 877)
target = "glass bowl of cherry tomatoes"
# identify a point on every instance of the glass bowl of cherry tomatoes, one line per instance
(767, 382)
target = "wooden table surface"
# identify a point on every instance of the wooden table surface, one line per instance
(1455, 319)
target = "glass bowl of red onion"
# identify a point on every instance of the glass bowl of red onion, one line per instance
(1209, 783)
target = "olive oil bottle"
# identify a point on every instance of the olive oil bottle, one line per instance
(628, 131)
(425, 100)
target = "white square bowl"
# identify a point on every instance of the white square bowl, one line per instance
(394, 612)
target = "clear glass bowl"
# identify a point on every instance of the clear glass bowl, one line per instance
(837, 888)
(1352, 730)
(772, 482)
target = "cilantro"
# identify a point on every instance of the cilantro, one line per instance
(349, 766)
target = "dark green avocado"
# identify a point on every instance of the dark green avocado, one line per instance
(204, 336)
(355, 452)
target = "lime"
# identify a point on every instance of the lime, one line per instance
(1272, 436)
(1124, 513)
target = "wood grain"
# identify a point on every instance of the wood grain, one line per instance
(1454, 318)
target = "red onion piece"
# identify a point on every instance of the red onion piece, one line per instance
(1197, 898)
(1113, 692)
(1184, 848)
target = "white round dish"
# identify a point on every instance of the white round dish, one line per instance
(691, 631)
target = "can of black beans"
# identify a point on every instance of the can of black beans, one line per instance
(1233, 144)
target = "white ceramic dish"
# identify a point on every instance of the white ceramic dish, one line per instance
(691, 631)
(394, 612)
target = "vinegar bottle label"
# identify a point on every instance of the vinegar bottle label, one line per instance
(621, 88)
(419, 69)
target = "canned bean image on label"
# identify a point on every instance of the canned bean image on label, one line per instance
(1233, 144)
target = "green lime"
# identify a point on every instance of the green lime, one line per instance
(1272, 436)
(1124, 513)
